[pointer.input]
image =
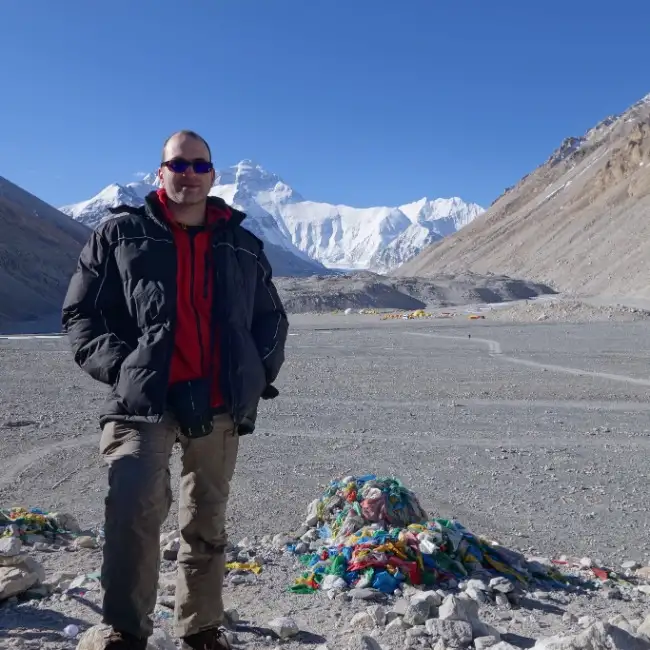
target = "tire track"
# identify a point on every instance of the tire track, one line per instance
(494, 349)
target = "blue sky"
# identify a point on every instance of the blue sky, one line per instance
(351, 101)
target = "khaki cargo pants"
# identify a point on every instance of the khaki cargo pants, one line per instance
(138, 502)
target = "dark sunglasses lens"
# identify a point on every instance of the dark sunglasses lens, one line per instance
(178, 166)
(202, 166)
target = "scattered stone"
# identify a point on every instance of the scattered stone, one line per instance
(644, 628)
(621, 621)
(456, 609)
(483, 642)
(417, 613)
(363, 642)
(232, 616)
(171, 536)
(170, 550)
(599, 636)
(630, 565)
(378, 615)
(85, 541)
(643, 573)
(65, 521)
(417, 632)
(502, 585)
(362, 621)
(569, 618)
(241, 578)
(10, 546)
(586, 621)
(432, 597)
(453, 634)
(333, 582)
(367, 594)
(280, 541)
(479, 585)
(284, 627)
(502, 600)
(24, 574)
(477, 595)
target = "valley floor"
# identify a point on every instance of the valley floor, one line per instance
(535, 435)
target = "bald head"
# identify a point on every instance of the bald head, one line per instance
(182, 135)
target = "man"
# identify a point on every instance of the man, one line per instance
(172, 306)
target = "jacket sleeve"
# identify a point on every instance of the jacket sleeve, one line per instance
(95, 288)
(270, 323)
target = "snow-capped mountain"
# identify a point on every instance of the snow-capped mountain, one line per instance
(336, 236)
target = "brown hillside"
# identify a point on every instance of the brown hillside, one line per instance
(580, 222)
(39, 247)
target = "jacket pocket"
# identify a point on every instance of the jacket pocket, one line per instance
(149, 306)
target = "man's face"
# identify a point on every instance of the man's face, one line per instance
(188, 187)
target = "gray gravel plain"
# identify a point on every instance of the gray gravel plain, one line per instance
(535, 435)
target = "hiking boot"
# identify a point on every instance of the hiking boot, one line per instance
(124, 641)
(214, 639)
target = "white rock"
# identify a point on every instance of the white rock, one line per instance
(10, 546)
(502, 585)
(333, 582)
(232, 616)
(599, 636)
(503, 645)
(456, 609)
(417, 613)
(85, 541)
(644, 628)
(280, 541)
(15, 580)
(476, 594)
(502, 601)
(586, 621)
(432, 597)
(94, 638)
(65, 521)
(378, 615)
(170, 536)
(396, 624)
(621, 621)
(455, 634)
(362, 621)
(284, 627)
(630, 565)
(70, 631)
(483, 642)
(479, 585)
(363, 642)
(417, 632)
(586, 563)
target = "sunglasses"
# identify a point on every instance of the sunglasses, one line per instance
(180, 165)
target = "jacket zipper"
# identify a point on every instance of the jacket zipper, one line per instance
(196, 311)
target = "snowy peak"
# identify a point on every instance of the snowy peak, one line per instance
(336, 236)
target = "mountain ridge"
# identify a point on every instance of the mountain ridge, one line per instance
(39, 249)
(333, 236)
(578, 222)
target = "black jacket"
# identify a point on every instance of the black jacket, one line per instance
(119, 314)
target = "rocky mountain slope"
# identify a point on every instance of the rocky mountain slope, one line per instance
(578, 222)
(336, 236)
(39, 247)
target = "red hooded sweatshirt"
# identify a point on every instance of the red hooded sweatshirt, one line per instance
(194, 283)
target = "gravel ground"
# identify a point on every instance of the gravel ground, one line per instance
(535, 435)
